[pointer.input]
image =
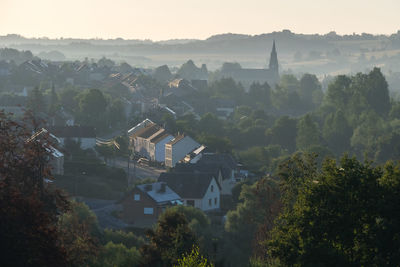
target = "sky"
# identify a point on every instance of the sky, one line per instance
(197, 19)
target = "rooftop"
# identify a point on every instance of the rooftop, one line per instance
(176, 139)
(73, 131)
(158, 194)
(187, 185)
(147, 131)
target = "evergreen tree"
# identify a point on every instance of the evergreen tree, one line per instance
(36, 101)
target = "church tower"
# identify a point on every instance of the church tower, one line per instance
(273, 60)
(274, 66)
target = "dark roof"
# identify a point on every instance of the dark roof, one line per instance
(196, 168)
(159, 137)
(73, 131)
(187, 185)
(147, 131)
(225, 160)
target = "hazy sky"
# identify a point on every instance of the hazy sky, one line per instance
(167, 19)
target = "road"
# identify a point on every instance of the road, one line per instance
(104, 211)
(140, 172)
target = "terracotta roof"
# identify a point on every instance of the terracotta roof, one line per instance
(73, 131)
(187, 185)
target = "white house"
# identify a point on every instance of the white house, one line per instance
(84, 135)
(200, 190)
(157, 146)
(178, 148)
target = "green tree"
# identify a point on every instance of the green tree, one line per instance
(68, 99)
(171, 238)
(283, 133)
(54, 102)
(29, 209)
(116, 113)
(112, 255)
(80, 234)
(91, 108)
(251, 221)
(260, 95)
(193, 259)
(307, 133)
(339, 216)
(36, 101)
(337, 132)
(310, 91)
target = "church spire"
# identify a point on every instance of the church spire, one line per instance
(273, 60)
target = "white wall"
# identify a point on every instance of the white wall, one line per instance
(160, 148)
(182, 148)
(211, 195)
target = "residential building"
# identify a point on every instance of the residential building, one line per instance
(84, 135)
(143, 204)
(157, 146)
(139, 126)
(178, 148)
(200, 190)
(150, 141)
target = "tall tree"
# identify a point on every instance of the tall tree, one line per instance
(170, 239)
(92, 107)
(307, 133)
(28, 208)
(36, 101)
(345, 215)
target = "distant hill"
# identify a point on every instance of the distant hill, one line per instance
(322, 54)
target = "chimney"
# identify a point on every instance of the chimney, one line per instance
(148, 187)
(162, 188)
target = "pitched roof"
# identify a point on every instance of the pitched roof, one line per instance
(139, 126)
(155, 191)
(73, 131)
(147, 131)
(160, 137)
(176, 139)
(187, 185)
(225, 162)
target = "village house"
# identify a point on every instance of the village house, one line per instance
(143, 204)
(150, 141)
(224, 167)
(199, 190)
(178, 148)
(84, 135)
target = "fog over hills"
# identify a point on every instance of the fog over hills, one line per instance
(321, 54)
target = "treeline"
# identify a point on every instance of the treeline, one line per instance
(355, 115)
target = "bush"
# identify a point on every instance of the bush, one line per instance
(128, 239)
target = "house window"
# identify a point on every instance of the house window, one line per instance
(137, 197)
(210, 202)
(190, 203)
(215, 201)
(212, 188)
(148, 211)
